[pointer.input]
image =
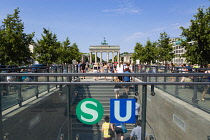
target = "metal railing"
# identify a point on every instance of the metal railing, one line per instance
(159, 80)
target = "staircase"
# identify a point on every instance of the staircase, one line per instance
(102, 93)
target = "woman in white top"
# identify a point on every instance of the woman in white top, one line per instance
(105, 69)
(120, 70)
(95, 70)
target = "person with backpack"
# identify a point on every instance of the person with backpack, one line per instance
(136, 132)
(106, 128)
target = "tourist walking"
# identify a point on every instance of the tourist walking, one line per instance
(137, 109)
(117, 88)
(126, 79)
(82, 67)
(105, 69)
(105, 129)
(136, 132)
(95, 70)
(119, 131)
(119, 69)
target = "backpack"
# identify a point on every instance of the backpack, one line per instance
(134, 137)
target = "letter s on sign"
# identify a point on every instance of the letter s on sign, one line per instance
(89, 111)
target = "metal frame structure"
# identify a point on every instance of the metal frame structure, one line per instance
(144, 83)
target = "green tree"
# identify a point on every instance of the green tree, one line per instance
(75, 54)
(199, 32)
(14, 43)
(138, 52)
(47, 50)
(150, 52)
(65, 52)
(165, 49)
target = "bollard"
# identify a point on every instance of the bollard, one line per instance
(62, 137)
(6, 136)
(77, 137)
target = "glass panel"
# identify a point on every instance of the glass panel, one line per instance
(46, 117)
(40, 119)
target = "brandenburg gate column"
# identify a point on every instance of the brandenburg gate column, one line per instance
(113, 56)
(118, 57)
(101, 57)
(107, 56)
(95, 56)
(90, 57)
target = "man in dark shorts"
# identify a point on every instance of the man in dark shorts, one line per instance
(82, 67)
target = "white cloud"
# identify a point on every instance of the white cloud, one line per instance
(122, 11)
(159, 29)
(137, 36)
(125, 7)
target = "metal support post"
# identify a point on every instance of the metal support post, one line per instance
(56, 78)
(144, 109)
(1, 125)
(176, 86)
(20, 98)
(195, 95)
(69, 111)
(156, 70)
(48, 79)
(165, 71)
(36, 88)
(152, 90)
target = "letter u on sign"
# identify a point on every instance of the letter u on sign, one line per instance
(122, 111)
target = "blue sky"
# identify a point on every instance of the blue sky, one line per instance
(121, 22)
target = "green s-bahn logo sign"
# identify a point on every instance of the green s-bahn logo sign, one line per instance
(89, 111)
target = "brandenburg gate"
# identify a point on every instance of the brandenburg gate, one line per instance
(104, 47)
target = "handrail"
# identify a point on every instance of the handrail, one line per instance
(107, 74)
(105, 83)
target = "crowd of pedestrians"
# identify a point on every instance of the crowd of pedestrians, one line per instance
(109, 67)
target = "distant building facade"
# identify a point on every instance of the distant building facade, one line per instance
(178, 51)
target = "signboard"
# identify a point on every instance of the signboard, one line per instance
(122, 110)
(89, 111)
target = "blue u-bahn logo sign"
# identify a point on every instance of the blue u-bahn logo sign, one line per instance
(122, 110)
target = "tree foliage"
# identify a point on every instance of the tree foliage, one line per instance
(150, 52)
(197, 52)
(14, 43)
(47, 50)
(75, 54)
(164, 48)
(146, 54)
(138, 52)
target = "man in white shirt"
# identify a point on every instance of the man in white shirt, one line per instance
(137, 109)
(136, 132)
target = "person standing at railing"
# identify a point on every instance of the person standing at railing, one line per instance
(25, 78)
(105, 69)
(111, 69)
(172, 69)
(95, 70)
(206, 86)
(117, 88)
(126, 79)
(131, 67)
(183, 70)
(82, 67)
(119, 69)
